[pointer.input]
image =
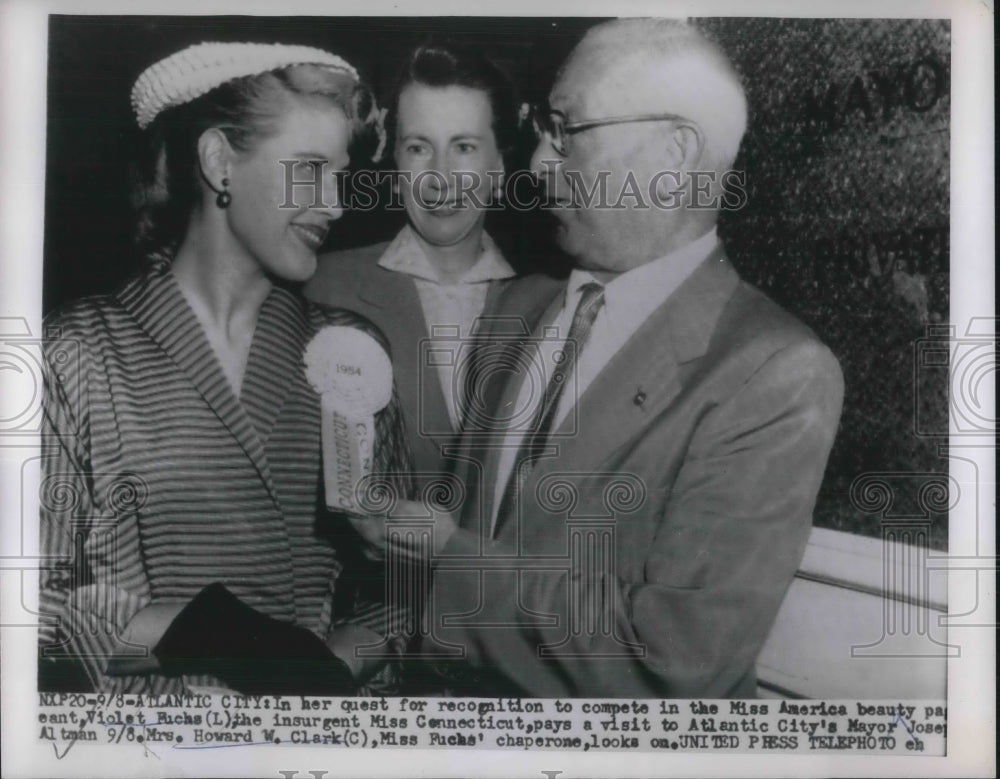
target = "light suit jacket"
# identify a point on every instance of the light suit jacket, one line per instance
(654, 544)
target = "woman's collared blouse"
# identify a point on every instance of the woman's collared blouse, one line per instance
(450, 308)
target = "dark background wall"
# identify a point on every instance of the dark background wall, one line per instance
(846, 160)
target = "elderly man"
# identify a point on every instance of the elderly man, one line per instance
(636, 536)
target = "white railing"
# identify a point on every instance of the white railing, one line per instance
(860, 620)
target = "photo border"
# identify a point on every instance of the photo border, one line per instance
(971, 697)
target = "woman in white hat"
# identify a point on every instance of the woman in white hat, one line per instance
(184, 476)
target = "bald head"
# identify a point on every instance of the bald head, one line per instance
(664, 66)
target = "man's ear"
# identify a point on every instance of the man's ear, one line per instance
(686, 143)
(215, 157)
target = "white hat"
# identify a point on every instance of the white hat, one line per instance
(198, 69)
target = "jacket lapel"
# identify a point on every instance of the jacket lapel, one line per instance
(503, 396)
(275, 359)
(493, 294)
(641, 380)
(478, 344)
(397, 292)
(159, 306)
(503, 334)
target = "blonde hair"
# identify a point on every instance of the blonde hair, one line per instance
(165, 172)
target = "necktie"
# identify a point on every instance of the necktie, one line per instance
(533, 443)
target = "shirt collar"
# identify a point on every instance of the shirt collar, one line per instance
(406, 255)
(635, 294)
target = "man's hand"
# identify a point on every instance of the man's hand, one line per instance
(344, 642)
(374, 530)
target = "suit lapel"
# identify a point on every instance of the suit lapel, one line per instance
(503, 396)
(502, 335)
(507, 326)
(642, 379)
(608, 414)
(159, 306)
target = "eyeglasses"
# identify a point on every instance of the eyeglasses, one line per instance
(552, 124)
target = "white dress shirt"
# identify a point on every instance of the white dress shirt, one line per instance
(450, 307)
(629, 299)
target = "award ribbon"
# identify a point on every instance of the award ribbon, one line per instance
(353, 376)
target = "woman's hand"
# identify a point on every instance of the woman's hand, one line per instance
(374, 531)
(144, 630)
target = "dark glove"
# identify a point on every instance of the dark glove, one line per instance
(218, 634)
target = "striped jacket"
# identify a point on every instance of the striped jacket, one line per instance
(158, 481)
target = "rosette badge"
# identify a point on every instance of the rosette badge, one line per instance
(353, 376)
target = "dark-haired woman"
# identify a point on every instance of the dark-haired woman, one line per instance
(450, 122)
(185, 436)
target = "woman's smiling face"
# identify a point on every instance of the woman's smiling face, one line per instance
(278, 226)
(446, 144)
